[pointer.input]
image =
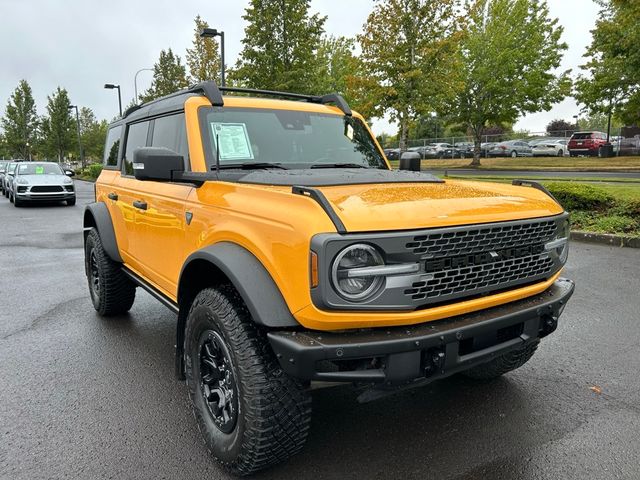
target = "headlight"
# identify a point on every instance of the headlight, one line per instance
(349, 272)
(67, 181)
(561, 243)
(22, 181)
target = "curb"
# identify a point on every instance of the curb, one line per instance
(606, 239)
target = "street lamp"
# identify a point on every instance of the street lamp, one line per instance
(210, 33)
(111, 86)
(71, 107)
(135, 82)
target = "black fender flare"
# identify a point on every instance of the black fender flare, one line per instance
(102, 222)
(250, 278)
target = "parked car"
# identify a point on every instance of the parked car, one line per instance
(392, 153)
(628, 146)
(41, 181)
(293, 259)
(8, 178)
(511, 148)
(465, 149)
(587, 143)
(554, 147)
(3, 168)
(485, 147)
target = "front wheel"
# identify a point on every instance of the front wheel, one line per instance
(514, 154)
(250, 413)
(112, 292)
(71, 202)
(17, 202)
(503, 364)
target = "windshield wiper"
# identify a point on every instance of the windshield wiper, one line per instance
(338, 165)
(252, 166)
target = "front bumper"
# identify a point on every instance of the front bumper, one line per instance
(46, 196)
(432, 350)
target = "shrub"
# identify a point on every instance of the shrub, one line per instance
(94, 170)
(578, 196)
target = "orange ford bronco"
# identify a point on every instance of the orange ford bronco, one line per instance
(274, 227)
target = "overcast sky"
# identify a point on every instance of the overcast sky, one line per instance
(83, 44)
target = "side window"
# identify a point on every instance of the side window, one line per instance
(170, 132)
(136, 138)
(111, 146)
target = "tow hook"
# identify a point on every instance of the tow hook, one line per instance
(433, 361)
(549, 325)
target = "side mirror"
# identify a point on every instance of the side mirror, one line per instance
(69, 173)
(153, 163)
(410, 161)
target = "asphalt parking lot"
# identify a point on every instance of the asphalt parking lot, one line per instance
(84, 397)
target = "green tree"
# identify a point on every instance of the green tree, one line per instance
(611, 83)
(58, 126)
(598, 121)
(20, 122)
(561, 127)
(509, 51)
(338, 66)
(92, 134)
(169, 76)
(280, 47)
(203, 59)
(408, 59)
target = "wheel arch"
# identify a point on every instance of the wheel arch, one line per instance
(96, 215)
(229, 263)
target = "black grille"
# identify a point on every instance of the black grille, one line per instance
(482, 239)
(47, 189)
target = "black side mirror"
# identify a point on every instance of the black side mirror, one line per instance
(152, 163)
(69, 173)
(410, 161)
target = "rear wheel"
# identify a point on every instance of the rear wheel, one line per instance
(112, 293)
(514, 154)
(503, 364)
(560, 153)
(250, 413)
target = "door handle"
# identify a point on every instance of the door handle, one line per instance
(113, 196)
(139, 204)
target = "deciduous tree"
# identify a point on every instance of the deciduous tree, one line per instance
(203, 58)
(92, 134)
(169, 75)
(560, 127)
(20, 122)
(280, 46)
(338, 66)
(408, 56)
(508, 56)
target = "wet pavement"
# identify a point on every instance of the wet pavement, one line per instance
(85, 397)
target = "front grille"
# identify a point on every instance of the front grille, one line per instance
(46, 189)
(482, 239)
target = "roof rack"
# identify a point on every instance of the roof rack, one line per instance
(213, 93)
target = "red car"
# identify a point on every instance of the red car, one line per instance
(587, 143)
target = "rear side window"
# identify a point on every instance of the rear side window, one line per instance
(170, 132)
(581, 136)
(136, 138)
(111, 146)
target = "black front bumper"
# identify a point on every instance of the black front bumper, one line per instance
(432, 350)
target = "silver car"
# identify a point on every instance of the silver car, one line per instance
(511, 148)
(38, 181)
(8, 178)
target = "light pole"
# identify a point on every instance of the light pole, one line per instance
(210, 33)
(111, 86)
(71, 107)
(135, 82)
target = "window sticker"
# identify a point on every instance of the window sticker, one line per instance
(232, 140)
(349, 132)
(39, 169)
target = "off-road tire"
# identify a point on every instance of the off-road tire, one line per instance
(116, 292)
(273, 409)
(503, 364)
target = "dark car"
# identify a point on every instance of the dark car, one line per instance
(587, 143)
(392, 153)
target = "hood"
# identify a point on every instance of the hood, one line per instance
(45, 179)
(410, 206)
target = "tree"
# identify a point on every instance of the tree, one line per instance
(561, 127)
(338, 66)
(408, 58)
(280, 45)
(612, 81)
(599, 121)
(92, 134)
(58, 126)
(509, 51)
(203, 59)
(169, 76)
(20, 122)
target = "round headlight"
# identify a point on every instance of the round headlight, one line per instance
(347, 282)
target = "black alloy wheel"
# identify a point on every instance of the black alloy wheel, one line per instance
(217, 381)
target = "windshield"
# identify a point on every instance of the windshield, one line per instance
(39, 169)
(287, 138)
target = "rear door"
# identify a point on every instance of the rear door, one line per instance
(160, 210)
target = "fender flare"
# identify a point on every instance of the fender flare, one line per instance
(102, 221)
(251, 279)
